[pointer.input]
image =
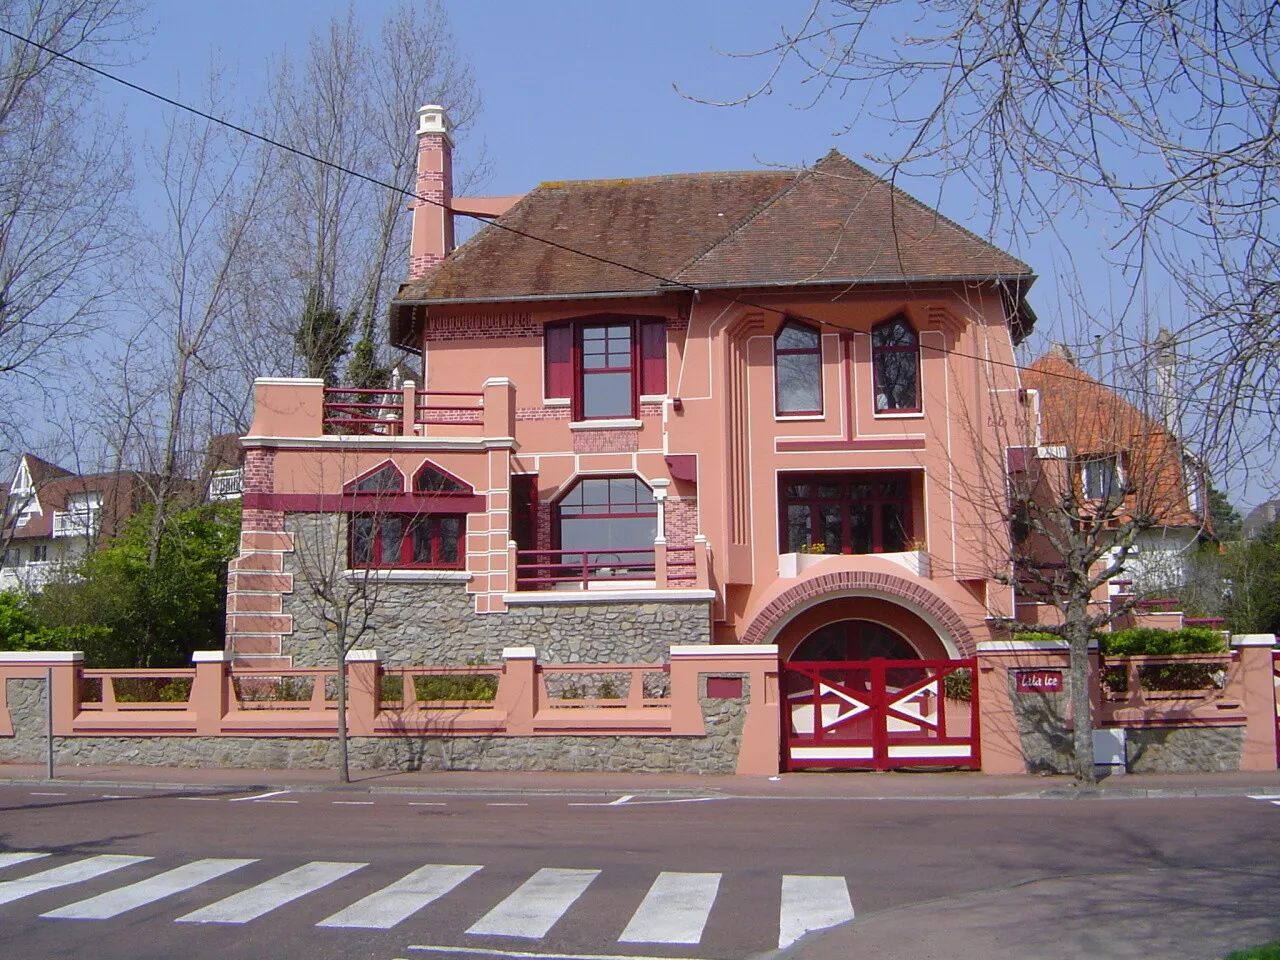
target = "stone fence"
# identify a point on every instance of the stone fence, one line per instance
(709, 709)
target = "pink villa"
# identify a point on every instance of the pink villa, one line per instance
(738, 421)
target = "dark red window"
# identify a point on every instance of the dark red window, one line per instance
(895, 361)
(845, 513)
(605, 363)
(385, 480)
(797, 364)
(396, 540)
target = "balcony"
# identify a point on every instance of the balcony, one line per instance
(75, 523)
(307, 408)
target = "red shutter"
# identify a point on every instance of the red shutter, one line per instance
(653, 357)
(559, 356)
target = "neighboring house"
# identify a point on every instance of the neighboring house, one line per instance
(53, 516)
(778, 429)
(1259, 518)
(1116, 454)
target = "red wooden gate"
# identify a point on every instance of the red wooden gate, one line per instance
(881, 714)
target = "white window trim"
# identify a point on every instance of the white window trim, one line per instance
(620, 424)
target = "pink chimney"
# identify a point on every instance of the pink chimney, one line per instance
(432, 236)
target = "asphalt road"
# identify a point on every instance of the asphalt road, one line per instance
(320, 875)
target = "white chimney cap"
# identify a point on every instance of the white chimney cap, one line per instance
(433, 119)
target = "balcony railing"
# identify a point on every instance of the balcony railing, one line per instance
(657, 566)
(388, 412)
(75, 523)
(227, 484)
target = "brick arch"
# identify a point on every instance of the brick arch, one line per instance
(847, 582)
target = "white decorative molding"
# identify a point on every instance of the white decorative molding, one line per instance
(724, 649)
(1006, 646)
(519, 653)
(212, 656)
(1253, 640)
(41, 656)
(606, 425)
(289, 381)
(585, 597)
(362, 656)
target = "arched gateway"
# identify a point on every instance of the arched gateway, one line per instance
(869, 675)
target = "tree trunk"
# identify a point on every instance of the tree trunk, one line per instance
(1081, 704)
(344, 769)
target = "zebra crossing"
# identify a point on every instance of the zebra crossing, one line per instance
(674, 909)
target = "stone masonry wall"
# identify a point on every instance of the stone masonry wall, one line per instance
(1183, 749)
(714, 753)
(1042, 727)
(434, 623)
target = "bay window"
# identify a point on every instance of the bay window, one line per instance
(423, 528)
(845, 513)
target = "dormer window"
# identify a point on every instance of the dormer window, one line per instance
(895, 362)
(797, 364)
(1101, 478)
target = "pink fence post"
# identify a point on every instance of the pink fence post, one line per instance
(517, 693)
(660, 564)
(65, 667)
(209, 700)
(362, 692)
(1257, 677)
(998, 724)
(287, 407)
(701, 563)
(499, 408)
(759, 751)
(410, 409)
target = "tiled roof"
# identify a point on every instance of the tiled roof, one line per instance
(1089, 418)
(835, 222)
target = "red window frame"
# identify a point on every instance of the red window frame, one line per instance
(565, 371)
(410, 525)
(609, 510)
(880, 350)
(845, 498)
(815, 352)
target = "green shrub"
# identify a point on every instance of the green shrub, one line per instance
(455, 686)
(1148, 641)
(958, 685)
(1267, 951)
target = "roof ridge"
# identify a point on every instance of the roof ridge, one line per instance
(924, 207)
(650, 178)
(742, 224)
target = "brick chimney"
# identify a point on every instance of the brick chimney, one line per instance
(432, 236)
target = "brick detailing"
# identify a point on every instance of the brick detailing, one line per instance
(837, 584)
(256, 579)
(544, 413)
(259, 471)
(606, 441)
(422, 263)
(681, 521)
(480, 326)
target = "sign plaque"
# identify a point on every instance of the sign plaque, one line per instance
(1039, 681)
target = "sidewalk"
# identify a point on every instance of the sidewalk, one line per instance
(794, 786)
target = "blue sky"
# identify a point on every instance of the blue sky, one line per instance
(586, 88)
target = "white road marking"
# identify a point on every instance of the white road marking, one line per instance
(413, 804)
(675, 909)
(13, 859)
(506, 804)
(277, 801)
(252, 903)
(86, 869)
(1273, 797)
(36, 793)
(812, 903)
(115, 902)
(260, 796)
(536, 904)
(118, 796)
(200, 798)
(527, 955)
(353, 803)
(387, 907)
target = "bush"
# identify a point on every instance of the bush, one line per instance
(1148, 641)
(455, 686)
(1268, 951)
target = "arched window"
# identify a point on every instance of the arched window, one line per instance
(389, 528)
(797, 364)
(601, 513)
(854, 640)
(895, 360)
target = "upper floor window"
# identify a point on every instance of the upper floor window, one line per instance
(895, 362)
(604, 364)
(1101, 478)
(386, 479)
(797, 362)
(845, 513)
(431, 479)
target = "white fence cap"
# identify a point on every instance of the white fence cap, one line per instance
(724, 650)
(999, 646)
(1253, 640)
(212, 656)
(361, 656)
(41, 656)
(519, 653)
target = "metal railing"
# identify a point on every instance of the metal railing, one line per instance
(448, 407)
(546, 569)
(348, 410)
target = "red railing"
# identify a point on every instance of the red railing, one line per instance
(348, 410)
(433, 406)
(545, 569)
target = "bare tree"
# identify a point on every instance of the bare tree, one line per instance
(339, 244)
(1156, 121)
(63, 176)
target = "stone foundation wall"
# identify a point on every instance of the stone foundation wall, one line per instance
(434, 623)
(714, 753)
(1183, 749)
(1042, 728)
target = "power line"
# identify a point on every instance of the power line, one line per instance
(404, 191)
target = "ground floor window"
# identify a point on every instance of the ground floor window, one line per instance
(430, 541)
(845, 513)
